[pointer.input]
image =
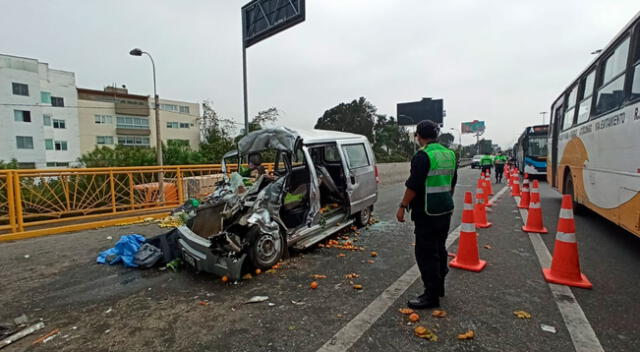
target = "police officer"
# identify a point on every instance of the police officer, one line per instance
(434, 174)
(485, 163)
(499, 162)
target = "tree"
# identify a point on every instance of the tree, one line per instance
(446, 139)
(392, 142)
(357, 116)
(215, 135)
(119, 156)
(11, 165)
(263, 118)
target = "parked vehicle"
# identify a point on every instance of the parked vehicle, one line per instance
(475, 162)
(322, 182)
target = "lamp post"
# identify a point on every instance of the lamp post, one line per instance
(156, 106)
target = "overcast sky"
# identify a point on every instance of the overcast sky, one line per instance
(499, 61)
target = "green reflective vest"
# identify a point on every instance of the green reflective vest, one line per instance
(437, 195)
(501, 159)
(486, 160)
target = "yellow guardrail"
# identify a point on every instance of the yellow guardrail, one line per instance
(48, 201)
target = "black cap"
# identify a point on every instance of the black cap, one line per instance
(428, 129)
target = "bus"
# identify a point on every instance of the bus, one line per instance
(531, 150)
(595, 133)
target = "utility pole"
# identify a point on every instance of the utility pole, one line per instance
(244, 81)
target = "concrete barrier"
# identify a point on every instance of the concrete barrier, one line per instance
(391, 173)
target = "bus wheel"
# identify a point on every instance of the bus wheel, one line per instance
(568, 189)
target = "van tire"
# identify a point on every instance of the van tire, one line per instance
(265, 249)
(362, 218)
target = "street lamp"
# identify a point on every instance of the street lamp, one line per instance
(156, 106)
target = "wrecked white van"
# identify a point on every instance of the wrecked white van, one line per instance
(322, 182)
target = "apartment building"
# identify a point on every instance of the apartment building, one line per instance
(39, 124)
(114, 116)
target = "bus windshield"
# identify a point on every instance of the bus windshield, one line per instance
(537, 145)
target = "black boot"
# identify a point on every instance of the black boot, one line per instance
(424, 302)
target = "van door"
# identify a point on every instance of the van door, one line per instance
(359, 161)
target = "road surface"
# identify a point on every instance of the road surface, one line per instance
(103, 308)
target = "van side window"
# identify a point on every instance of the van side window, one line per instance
(331, 154)
(356, 155)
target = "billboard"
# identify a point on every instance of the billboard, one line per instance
(264, 18)
(474, 126)
(426, 109)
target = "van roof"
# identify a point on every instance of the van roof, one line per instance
(323, 136)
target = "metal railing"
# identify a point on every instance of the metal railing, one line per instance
(46, 201)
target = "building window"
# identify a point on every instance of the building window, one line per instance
(184, 109)
(178, 142)
(57, 101)
(60, 145)
(103, 119)
(57, 164)
(20, 89)
(46, 120)
(108, 140)
(136, 141)
(184, 125)
(173, 125)
(132, 122)
(45, 97)
(48, 144)
(26, 165)
(24, 142)
(22, 115)
(59, 124)
(169, 107)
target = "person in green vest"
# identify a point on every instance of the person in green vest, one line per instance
(499, 163)
(429, 196)
(486, 162)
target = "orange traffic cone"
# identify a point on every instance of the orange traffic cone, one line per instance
(485, 194)
(487, 179)
(565, 264)
(480, 210)
(534, 217)
(467, 257)
(524, 195)
(515, 190)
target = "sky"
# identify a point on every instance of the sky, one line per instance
(503, 62)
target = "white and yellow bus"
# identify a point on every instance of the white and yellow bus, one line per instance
(594, 137)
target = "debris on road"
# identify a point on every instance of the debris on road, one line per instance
(414, 317)
(406, 311)
(488, 246)
(351, 276)
(257, 299)
(548, 328)
(46, 338)
(298, 303)
(203, 303)
(341, 255)
(374, 254)
(123, 251)
(521, 314)
(224, 279)
(21, 320)
(371, 261)
(438, 313)
(357, 287)
(467, 335)
(20, 334)
(425, 333)
(26, 256)
(318, 276)
(314, 285)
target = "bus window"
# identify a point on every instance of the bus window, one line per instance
(571, 102)
(537, 145)
(584, 109)
(611, 95)
(635, 71)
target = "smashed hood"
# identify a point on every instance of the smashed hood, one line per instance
(280, 138)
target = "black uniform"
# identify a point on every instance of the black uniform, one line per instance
(431, 231)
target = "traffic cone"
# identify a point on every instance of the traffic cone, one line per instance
(487, 179)
(524, 195)
(480, 210)
(565, 264)
(534, 217)
(482, 184)
(467, 257)
(515, 190)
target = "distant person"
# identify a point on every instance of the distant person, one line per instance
(499, 163)
(485, 163)
(434, 174)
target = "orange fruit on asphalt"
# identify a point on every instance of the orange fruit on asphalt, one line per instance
(258, 271)
(225, 279)
(357, 287)
(406, 311)
(413, 317)
(374, 254)
(420, 330)
(314, 285)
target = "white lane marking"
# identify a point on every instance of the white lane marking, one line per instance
(353, 331)
(582, 335)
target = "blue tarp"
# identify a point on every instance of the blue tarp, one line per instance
(124, 251)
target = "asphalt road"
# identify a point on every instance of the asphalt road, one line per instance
(104, 308)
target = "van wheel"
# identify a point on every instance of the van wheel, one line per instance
(265, 249)
(362, 218)
(568, 189)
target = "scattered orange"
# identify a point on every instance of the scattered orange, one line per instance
(439, 313)
(313, 284)
(467, 335)
(225, 279)
(357, 287)
(420, 330)
(258, 271)
(374, 254)
(406, 310)
(413, 317)
(247, 276)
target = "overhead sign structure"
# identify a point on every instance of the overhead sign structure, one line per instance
(260, 20)
(474, 126)
(426, 109)
(264, 18)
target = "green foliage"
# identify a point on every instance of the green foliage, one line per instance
(215, 133)
(357, 116)
(119, 156)
(13, 164)
(392, 141)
